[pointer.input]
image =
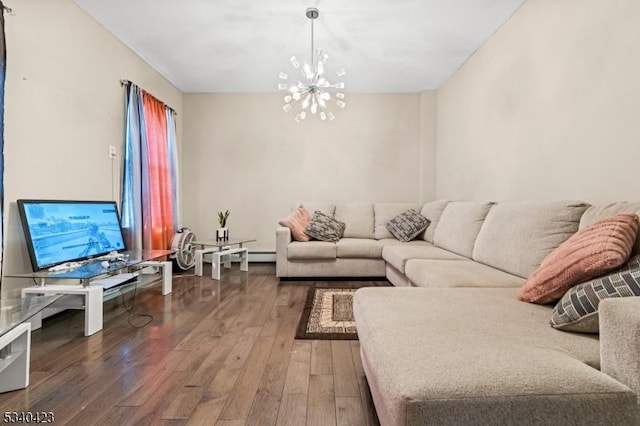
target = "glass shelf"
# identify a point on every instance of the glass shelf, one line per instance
(17, 311)
(93, 268)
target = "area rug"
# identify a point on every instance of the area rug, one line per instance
(328, 314)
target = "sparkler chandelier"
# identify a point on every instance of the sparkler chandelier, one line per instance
(313, 92)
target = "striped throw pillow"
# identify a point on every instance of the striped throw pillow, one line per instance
(325, 228)
(578, 308)
(407, 225)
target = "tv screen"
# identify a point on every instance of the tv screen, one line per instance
(63, 231)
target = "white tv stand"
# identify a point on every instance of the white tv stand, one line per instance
(93, 295)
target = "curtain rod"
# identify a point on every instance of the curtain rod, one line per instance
(129, 83)
(5, 8)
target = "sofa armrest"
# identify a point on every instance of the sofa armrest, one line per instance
(620, 340)
(283, 239)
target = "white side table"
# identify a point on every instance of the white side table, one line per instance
(221, 252)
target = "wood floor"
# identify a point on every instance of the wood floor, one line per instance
(215, 353)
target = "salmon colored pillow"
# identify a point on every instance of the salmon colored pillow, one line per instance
(590, 252)
(296, 222)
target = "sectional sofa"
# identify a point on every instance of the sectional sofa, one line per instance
(451, 343)
(359, 252)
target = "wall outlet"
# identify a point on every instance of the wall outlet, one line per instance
(112, 151)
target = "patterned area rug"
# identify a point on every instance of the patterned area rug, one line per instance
(328, 314)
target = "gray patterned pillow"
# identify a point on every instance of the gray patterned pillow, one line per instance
(324, 228)
(578, 308)
(407, 225)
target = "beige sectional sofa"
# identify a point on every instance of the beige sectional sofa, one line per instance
(357, 254)
(455, 346)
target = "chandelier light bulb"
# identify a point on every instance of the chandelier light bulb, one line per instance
(310, 89)
(307, 71)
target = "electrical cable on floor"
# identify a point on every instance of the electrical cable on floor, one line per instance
(129, 309)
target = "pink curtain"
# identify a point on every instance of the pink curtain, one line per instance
(158, 222)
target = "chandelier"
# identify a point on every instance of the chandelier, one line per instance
(312, 91)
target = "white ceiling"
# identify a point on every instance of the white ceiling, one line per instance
(242, 45)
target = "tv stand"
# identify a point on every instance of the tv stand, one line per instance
(92, 296)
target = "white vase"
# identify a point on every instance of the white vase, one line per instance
(222, 234)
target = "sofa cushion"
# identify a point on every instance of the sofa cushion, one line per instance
(358, 219)
(384, 212)
(324, 228)
(432, 211)
(457, 273)
(592, 251)
(459, 225)
(359, 248)
(297, 250)
(596, 213)
(517, 236)
(407, 225)
(578, 308)
(398, 254)
(296, 222)
(326, 208)
(479, 356)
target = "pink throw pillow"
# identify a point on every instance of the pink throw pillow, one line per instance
(296, 222)
(590, 252)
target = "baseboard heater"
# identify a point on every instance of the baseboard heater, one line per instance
(254, 257)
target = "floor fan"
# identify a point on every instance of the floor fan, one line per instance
(183, 249)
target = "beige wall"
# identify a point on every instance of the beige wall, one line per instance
(63, 108)
(243, 153)
(427, 171)
(548, 108)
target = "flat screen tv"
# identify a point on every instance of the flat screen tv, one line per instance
(59, 231)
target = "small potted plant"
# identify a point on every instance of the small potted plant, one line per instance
(222, 233)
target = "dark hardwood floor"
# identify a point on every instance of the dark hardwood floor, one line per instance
(215, 353)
